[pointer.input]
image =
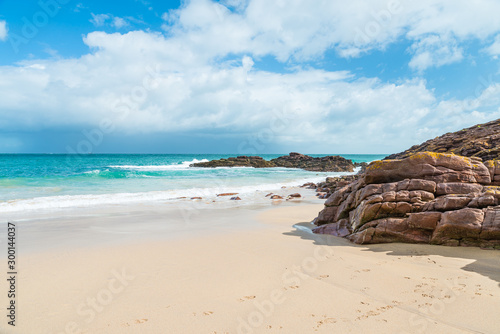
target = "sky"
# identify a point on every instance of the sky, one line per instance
(244, 76)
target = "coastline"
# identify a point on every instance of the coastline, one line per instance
(243, 270)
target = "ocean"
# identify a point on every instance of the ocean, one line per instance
(55, 181)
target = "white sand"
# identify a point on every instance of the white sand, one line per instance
(243, 271)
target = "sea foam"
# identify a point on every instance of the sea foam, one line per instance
(183, 165)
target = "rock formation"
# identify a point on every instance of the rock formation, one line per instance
(333, 163)
(482, 141)
(293, 160)
(428, 197)
(332, 184)
(241, 161)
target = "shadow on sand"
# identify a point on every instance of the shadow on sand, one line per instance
(486, 262)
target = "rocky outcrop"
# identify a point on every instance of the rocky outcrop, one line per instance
(481, 141)
(333, 163)
(332, 184)
(429, 197)
(293, 160)
(241, 161)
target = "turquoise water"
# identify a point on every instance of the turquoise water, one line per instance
(56, 181)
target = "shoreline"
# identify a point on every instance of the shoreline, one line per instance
(59, 204)
(115, 224)
(246, 271)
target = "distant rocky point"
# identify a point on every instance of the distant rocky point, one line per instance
(423, 197)
(293, 160)
(481, 141)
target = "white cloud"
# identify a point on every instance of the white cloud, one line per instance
(494, 49)
(100, 20)
(3, 30)
(196, 90)
(435, 51)
(330, 111)
(118, 22)
(297, 30)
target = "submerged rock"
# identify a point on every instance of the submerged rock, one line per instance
(226, 194)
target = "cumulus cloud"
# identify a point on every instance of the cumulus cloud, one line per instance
(200, 74)
(296, 30)
(3, 30)
(330, 110)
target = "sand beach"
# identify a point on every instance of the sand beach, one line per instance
(241, 269)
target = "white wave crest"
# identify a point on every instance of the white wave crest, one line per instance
(183, 165)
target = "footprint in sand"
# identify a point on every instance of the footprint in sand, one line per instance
(325, 321)
(246, 298)
(323, 276)
(376, 312)
(208, 313)
(137, 321)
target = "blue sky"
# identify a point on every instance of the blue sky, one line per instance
(244, 76)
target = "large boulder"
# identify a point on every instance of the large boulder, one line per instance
(437, 167)
(459, 226)
(425, 198)
(389, 230)
(491, 225)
